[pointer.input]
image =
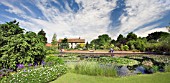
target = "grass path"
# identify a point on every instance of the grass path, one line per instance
(78, 78)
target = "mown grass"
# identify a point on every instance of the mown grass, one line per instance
(149, 78)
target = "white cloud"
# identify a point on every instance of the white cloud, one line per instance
(142, 12)
(28, 9)
(12, 8)
(145, 32)
(87, 23)
(92, 19)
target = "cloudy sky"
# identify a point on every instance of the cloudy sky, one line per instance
(88, 18)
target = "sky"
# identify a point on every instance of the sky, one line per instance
(88, 18)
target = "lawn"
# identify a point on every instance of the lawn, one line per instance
(149, 78)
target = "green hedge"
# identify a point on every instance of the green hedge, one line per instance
(53, 60)
(37, 75)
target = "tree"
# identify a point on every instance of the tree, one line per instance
(139, 44)
(64, 44)
(42, 35)
(155, 36)
(54, 40)
(120, 40)
(131, 36)
(102, 42)
(87, 45)
(19, 48)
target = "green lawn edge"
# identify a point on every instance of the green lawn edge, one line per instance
(147, 78)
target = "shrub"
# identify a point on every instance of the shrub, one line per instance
(4, 72)
(126, 47)
(95, 69)
(38, 75)
(52, 60)
(52, 50)
(167, 68)
(116, 48)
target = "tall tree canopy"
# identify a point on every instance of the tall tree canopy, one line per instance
(120, 40)
(42, 35)
(155, 36)
(131, 36)
(54, 39)
(64, 44)
(102, 42)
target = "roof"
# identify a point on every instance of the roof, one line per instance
(73, 40)
(48, 44)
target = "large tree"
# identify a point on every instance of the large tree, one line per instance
(156, 36)
(102, 42)
(54, 40)
(42, 35)
(131, 36)
(64, 44)
(19, 48)
(120, 40)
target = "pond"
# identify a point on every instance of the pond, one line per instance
(126, 64)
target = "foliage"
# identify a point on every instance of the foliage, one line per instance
(93, 68)
(87, 45)
(139, 44)
(52, 50)
(81, 45)
(126, 47)
(147, 64)
(121, 47)
(131, 36)
(37, 75)
(155, 36)
(102, 42)
(118, 61)
(64, 44)
(120, 40)
(116, 48)
(19, 48)
(42, 35)
(54, 40)
(4, 72)
(167, 68)
(52, 60)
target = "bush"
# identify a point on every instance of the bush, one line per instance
(116, 48)
(95, 69)
(52, 60)
(52, 50)
(38, 75)
(167, 68)
(126, 47)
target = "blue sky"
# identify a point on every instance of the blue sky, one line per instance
(88, 18)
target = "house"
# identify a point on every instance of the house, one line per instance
(72, 41)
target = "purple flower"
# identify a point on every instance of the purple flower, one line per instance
(43, 63)
(1, 75)
(30, 65)
(20, 66)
